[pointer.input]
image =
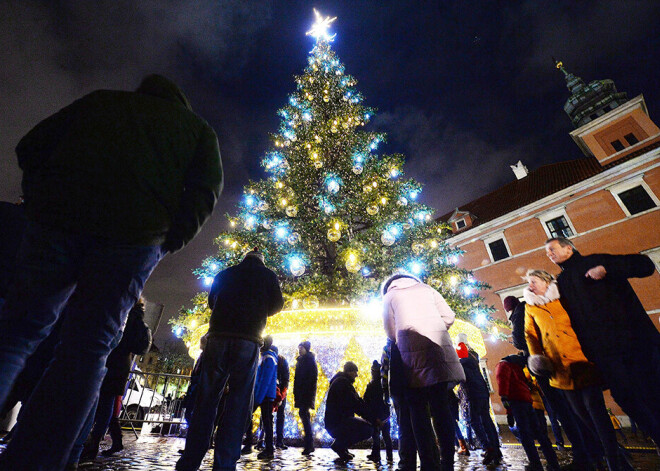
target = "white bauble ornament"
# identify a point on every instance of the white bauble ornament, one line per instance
(387, 238)
(293, 238)
(357, 169)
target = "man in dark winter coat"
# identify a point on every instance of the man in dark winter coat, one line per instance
(612, 325)
(341, 406)
(111, 182)
(304, 391)
(242, 298)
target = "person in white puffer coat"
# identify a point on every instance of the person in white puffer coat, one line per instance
(417, 318)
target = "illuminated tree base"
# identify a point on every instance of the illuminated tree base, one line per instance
(337, 335)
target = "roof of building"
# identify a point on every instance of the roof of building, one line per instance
(539, 183)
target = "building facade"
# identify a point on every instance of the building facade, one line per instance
(607, 201)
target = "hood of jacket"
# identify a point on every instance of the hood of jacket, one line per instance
(400, 281)
(516, 360)
(161, 87)
(342, 376)
(552, 294)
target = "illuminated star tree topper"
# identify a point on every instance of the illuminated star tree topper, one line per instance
(320, 28)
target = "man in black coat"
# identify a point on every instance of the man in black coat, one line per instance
(341, 406)
(612, 326)
(304, 391)
(111, 183)
(242, 298)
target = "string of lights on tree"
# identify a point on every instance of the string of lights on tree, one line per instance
(334, 218)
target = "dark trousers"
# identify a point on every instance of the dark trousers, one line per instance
(387, 438)
(589, 405)
(407, 446)
(279, 422)
(482, 423)
(349, 432)
(530, 430)
(554, 422)
(634, 382)
(225, 359)
(584, 449)
(306, 420)
(432, 399)
(98, 281)
(267, 423)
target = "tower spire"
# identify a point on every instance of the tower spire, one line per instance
(588, 102)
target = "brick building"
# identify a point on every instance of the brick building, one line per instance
(606, 201)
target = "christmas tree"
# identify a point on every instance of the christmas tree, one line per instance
(334, 218)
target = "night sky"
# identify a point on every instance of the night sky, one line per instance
(462, 88)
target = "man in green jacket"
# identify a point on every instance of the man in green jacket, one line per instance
(112, 182)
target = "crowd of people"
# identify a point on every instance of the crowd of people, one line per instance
(116, 180)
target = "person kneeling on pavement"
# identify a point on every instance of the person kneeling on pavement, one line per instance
(341, 406)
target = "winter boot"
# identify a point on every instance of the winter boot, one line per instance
(115, 434)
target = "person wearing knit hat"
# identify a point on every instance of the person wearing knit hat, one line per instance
(341, 406)
(478, 396)
(304, 391)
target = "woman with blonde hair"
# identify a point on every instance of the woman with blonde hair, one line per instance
(556, 352)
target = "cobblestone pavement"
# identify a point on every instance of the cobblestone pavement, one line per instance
(161, 453)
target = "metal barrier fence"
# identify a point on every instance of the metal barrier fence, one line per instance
(155, 401)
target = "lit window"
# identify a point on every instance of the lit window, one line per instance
(559, 227)
(636, 200)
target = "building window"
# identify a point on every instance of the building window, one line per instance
(634, 196)
(556, 223)
(460, 224)
(498, 250)
(617, 145)
(559, 227)
(632, 140)
(636, 200)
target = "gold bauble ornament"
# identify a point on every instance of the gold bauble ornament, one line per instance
(367, 188)
(353, 264)
(344, 125)
(326, 98)
(333, 129)
(417, 248)
(372, 210)
(334, 235)
(318, 164)
(291, 211)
